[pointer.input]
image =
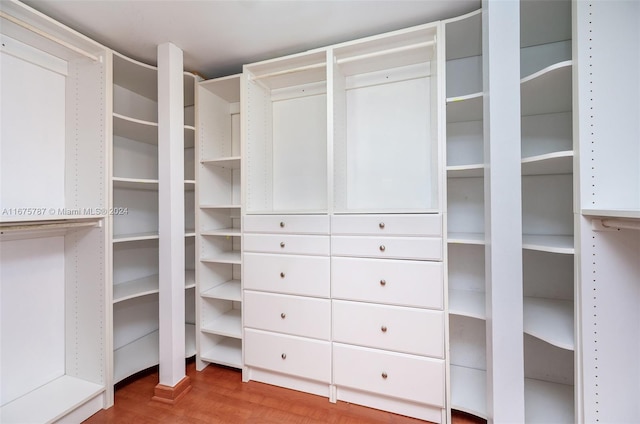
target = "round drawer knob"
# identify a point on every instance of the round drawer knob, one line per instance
(283, 315)
(281, 224)
(282, 275)
(381, 225)
(283, 356)
(382, 248)
(383, 328)
(281, 244)
(383, 283)
(384, 374)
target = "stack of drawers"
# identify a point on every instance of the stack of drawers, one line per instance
(388, 318)
(287, 310)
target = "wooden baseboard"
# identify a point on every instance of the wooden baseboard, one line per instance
(171, 395)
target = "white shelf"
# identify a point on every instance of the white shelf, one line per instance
(232, 162)
(227, 88)
(613, 213)
(466, 171)
(548, 164)
(469, 390)
(136, 356)
(547, 402)
(135, 183)
(228, 352)
(229, 232)
(124, 238)
(467, 303)
(189, 232)
(550, 320)
(466, 238)
(219, 206)
(50, 402)
(230, 290)
(135, 288)
(225, 258)
(228, 325)
(135, 129)
(547, 91)
(464, 108)
(189, 279)
(547, 243)
(189, 136)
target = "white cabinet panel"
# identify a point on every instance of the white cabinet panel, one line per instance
(401, 329)
(280, 243)
(296, 315)
(301, 275)
(288, 224)
(291, 355)
(396, 225)
(407, 377)
(388, 247)
(408, 283)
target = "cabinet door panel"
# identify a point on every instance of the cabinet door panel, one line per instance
(409, 330)
(407, 283)
(407, 377)
(289, 274)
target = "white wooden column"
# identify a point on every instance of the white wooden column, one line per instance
(503, 210)
(173, 382)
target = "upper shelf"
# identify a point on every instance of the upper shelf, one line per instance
(135, 76)
(547, 91)
(227, 88)
(547, 164)
(550, 320)
(135, 129)
(464, 36)
(464, 108)
(232, 162)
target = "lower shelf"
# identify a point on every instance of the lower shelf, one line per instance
(228, 352)
(547, 402)
(468, 390)
(50, 402)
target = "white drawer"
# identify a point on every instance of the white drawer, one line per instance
(286, 224)
(407, 283)
(301, 275)
(295, 315)
(388, 247)
(391, 225)
(397, 328)
(286, 243)
(291, 355)
(406, 377)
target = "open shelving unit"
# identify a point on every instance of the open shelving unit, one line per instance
(218, 223)
(53, 229)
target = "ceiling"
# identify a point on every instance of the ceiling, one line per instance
(219, 36)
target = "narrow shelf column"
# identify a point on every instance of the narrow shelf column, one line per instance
(173, 381)
(503, 216)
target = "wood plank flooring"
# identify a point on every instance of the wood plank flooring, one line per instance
(218, 396)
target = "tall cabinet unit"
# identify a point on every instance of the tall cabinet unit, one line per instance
(55, 308)
(135, 216)
(287, 322)
(465, 213)
(218, 162)
(547, 211)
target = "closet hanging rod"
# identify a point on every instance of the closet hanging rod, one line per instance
(620, 223)
(385, 52)
(49, 36)
(43, 225)
(289, 71)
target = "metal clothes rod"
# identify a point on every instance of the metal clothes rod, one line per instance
(39, 225)
(385, 52)
(49, 36)
(290, 71)
(619, 223)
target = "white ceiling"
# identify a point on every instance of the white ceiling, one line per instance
(218, 36)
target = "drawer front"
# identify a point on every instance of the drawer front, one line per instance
(388, 225)
(286, 243)
(407, 283)
(291, 355)
(286, 224)
(408, 330)
(290, 274)
(388, 247)
(406, 377)
(295, 315)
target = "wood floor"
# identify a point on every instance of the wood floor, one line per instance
(218, 396)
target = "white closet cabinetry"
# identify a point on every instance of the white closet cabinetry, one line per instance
(53, 228)
(547, 211)
(218, 199)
